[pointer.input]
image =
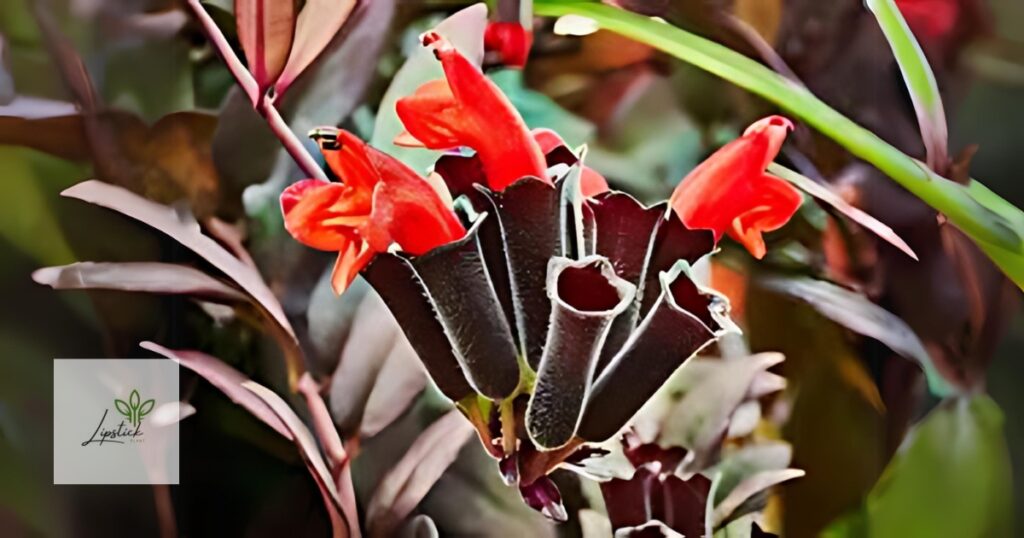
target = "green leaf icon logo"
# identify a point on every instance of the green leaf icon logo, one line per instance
(134, 409)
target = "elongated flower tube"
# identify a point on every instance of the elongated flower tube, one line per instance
(467, 110)
(730, 193)
(380, 201)
(586, 296)
(683, 321)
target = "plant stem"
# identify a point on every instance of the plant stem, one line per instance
(291, 143)
(264, 104)
(221, 45)
(326, 433)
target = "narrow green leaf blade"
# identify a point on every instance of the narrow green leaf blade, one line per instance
(924, 91)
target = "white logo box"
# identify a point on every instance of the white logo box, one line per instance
(115, 421)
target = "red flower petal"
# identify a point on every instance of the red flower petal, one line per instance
(591, 182)
(380, 202)
(306, 206)
(346, 155)
(777, 202)
(510, 40)
(931, 20)
(730, 193)
(351, 259)
(469, 110)
(408, 210)
(431, 116)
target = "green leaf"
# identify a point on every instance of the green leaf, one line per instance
(123, 408)
(133, 399)
(951, 477)
(989, 220)
(924, 91)
(146, 407)
(28, 222)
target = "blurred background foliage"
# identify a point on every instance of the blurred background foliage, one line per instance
(166, 121)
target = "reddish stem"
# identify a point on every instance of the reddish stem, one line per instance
(264, 104)
(537, 464)
(323, 425)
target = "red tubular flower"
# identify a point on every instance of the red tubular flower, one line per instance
(592, 183)
(468, 110)
(731, 193)
(379, 202)
(510, 40)
(931, 20)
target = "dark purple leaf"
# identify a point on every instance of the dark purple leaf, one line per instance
(225, 378)
(420, 526)
(745, 475)
(378, 375)
(456, 279)
(342, 510)
(681, 322)
(528, 212)
(371, 337)
(403, 488)
(403, 293)
(709, 391)
(137, 276)
(184, 229)
(825, 194)
(265, 30)
(622, 225)
(655, 494)
(674, 242)
(400, 381)
(586, 296)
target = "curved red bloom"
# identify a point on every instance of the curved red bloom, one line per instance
(592, 182)
(731, 193)
(510, 40)
(467, 110)
(931, 20)
(380, 201)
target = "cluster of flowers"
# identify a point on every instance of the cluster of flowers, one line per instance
(549, 308)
